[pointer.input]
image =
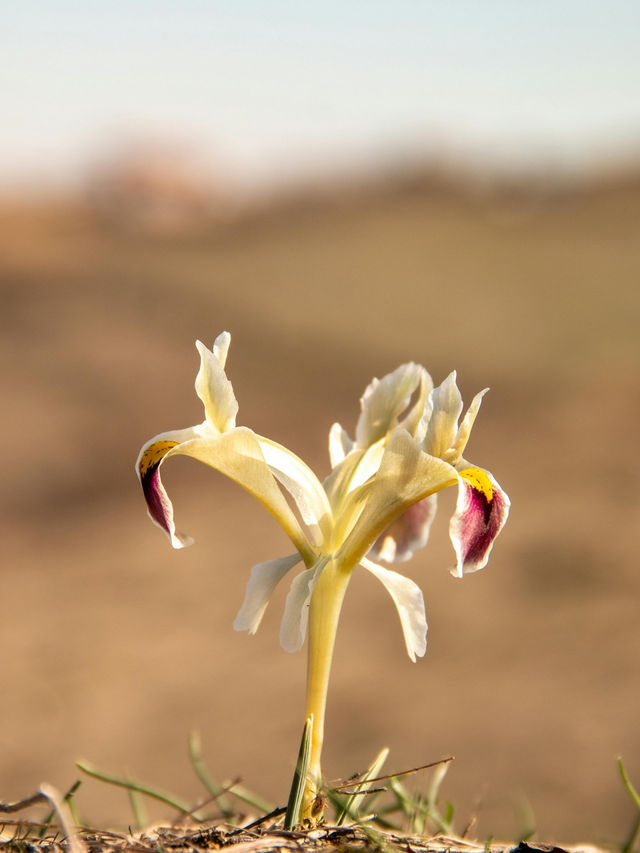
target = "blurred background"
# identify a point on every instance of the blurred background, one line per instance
(344, 187)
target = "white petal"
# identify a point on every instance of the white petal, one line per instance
(408, 599)
(301, 483)
(296, 611)
(221, 347)
(339, 444)
(421, 430)
(262, 583)
(213, 387)
(368, 465)
(384, 401)
(413, 420)
(466, 426)
(443, 423)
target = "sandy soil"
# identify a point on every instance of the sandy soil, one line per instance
(114, 647)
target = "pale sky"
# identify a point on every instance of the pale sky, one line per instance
(262, 88)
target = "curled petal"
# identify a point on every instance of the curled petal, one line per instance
(385, 400)
(237, 455)
(148, 463)
(409, 603)
(481, 512)
(262, 583)
(407, 534)
(296, 610)
(213, 387)
(443, 423)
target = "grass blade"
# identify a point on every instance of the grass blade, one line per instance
(628, 784)
(292, 816)
(130, 785)
(630, 843)
(138, 809)
(365, 783)
(197, 761)
(249, 797)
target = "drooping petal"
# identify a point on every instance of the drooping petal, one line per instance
(213, 387)
(384, 400)
(262, 583)
(339, 444)
(296, 610)
(406, 475)
(408, 599)
(407, 534)
(301, 483)
(159, 506)
(237, 455)
(481, 512)
(443, 423)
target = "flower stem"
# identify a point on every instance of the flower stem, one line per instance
(326, 603)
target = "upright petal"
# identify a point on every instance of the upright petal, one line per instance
(368, 465)
(262, 583)
(407, 534)
(412, 421)
(221, 348)
(481, 512)
(339, 444)
(443, 423)
(159, 506)
(213, 387)
(385, 400)
(465, 427)
(409, 602)
(296, 611)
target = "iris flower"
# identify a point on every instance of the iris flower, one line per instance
(374, 509)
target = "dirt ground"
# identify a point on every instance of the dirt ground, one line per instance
(113, 646)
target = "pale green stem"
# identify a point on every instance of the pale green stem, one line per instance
(324, 613)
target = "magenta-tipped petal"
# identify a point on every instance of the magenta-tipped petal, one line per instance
(481, 512)
(159, 506)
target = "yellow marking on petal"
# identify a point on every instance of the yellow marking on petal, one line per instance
(480, 481)
(154, 454)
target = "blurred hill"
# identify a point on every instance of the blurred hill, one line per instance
(115, 646)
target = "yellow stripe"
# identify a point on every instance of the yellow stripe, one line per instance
(480, 481)
(154, 454)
